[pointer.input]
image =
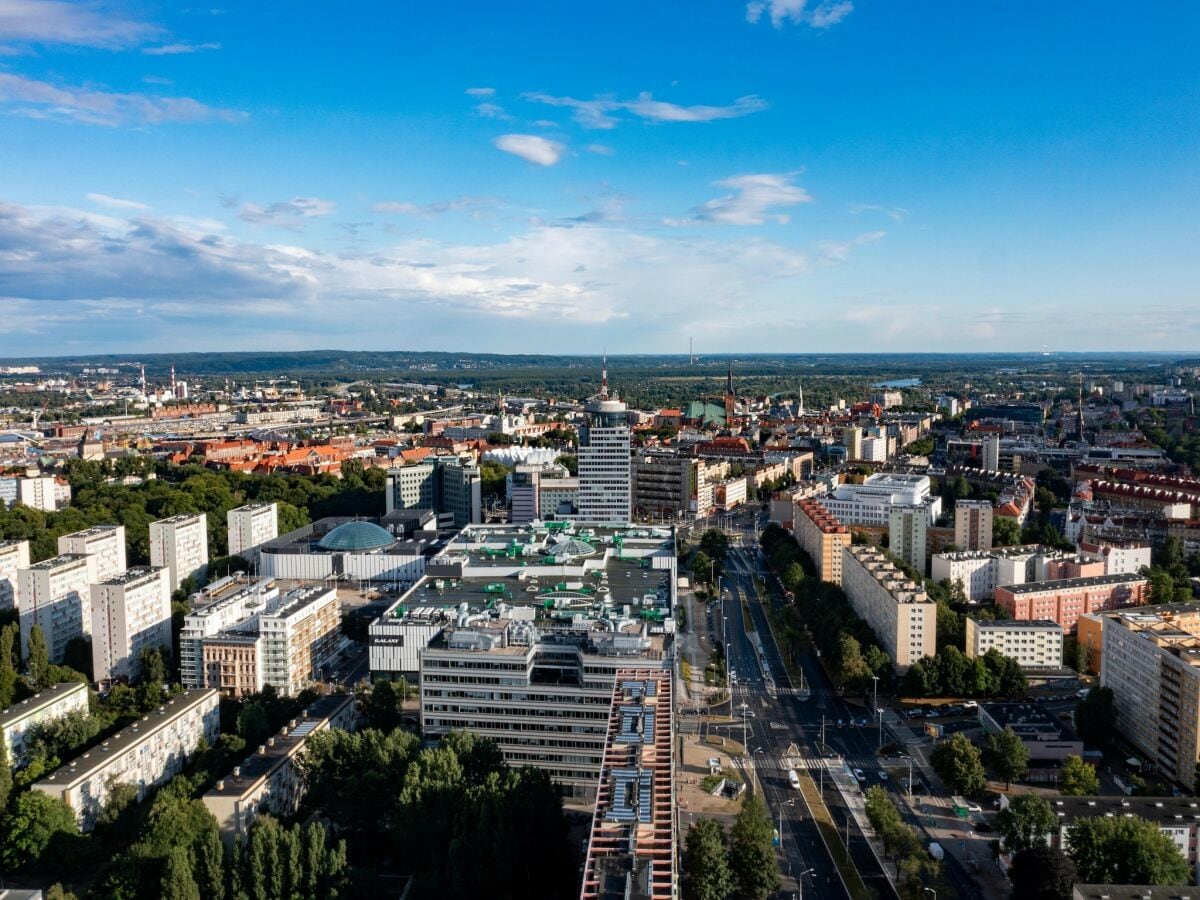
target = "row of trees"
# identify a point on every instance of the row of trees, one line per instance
(900, 842)
(950, 673)
(741, 863)
(960, 764)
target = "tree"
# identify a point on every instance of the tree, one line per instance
(253, 723)
(39, 658)
(1125, 850)
(384, 708)
(852, 670)
(958, 763)
(1078, 779)
(1042, 873)
(706, 874)
(715, 543)
(752, 851)
(177, 881)
(153, 665)
(6, 779)
(1095, 718)
(33, 822)
(1005, 531)
(702, 567)
(1007, 755)
(1026, 822)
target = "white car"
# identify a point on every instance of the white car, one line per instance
(860, 775)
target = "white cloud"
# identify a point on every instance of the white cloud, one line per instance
(436, 208)
(895, 213)
(600, 149)
(531, 148)
(824, 15)
(752, 201)
(83, 24)
(291, 214)
(599, 112)
(40, 99)
(839, 251)
(116, 202)
(492, 111)
(177, 49)
(480, 91)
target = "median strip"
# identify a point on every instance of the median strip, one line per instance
(832, 838)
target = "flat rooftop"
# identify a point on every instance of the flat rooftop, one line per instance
(1029, 721)
(94, 531)
(127, 738)
(42, 698)
(180, 519)
(1066, 584)
(1133, 892)
(255, 767)
(1184, 810)
(57, 562)
(1016, 624)
(137, 573)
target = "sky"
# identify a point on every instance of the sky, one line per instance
(571, 177)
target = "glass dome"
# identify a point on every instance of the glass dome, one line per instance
(360, 536)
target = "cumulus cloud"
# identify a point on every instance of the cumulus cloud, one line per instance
(480, 91)
(895, 213)
(83, 24)
(177, 49)
(839, 251)
(116, 202)
(291, 214)
(600, 149)
(149, 277)
(531, 148)
(492, 111)
(752, 202)
(824, 15)
(599, 112)
(40, 99)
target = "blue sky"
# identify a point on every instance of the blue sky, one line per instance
(891, 175)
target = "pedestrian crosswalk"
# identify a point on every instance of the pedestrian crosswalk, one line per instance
(813, 763)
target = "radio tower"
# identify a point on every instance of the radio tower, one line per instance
(1079, 410)
(604, 376)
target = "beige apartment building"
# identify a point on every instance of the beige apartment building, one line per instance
(14, 556)
(145, 754)
(973, 524)
(1034, 645)
(181, 544)
(1152, 666)
(897, 609)
(56, 594)
(131, 612)
(822, 537)
(106, 543)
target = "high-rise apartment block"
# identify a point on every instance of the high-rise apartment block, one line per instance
(898, 610)
(605, 467)
(908, 529)
(43, 492)
(56, 594)
(667, 484)
(181, 544)
(973, 524)
(105, 543)
(991, 452)
(145, 754)
(822, 536)
(301, 638)
(131, 612)
(14, 556)
(44, 706)
(1152, 666)
(250, 527)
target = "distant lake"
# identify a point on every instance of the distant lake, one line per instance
(898, 383)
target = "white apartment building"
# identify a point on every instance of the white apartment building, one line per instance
(44, 706)
(57, 595)
(1119, 557)
(180, 543)
(908, 530)
(605, 465)
(870, 503)
(991, 452)
(130, 612)
(1033, 644)
(874, 449)
(973, 524)
(104, 542)
(982, 571)
(250, 527)
(897, 609)
(269, 781)
(223, 604)
(14, 556)
(301, 638)
(146, 754)
(35, 491)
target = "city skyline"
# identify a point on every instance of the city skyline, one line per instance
(845, 176)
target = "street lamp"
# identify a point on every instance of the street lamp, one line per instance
(800, 881)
